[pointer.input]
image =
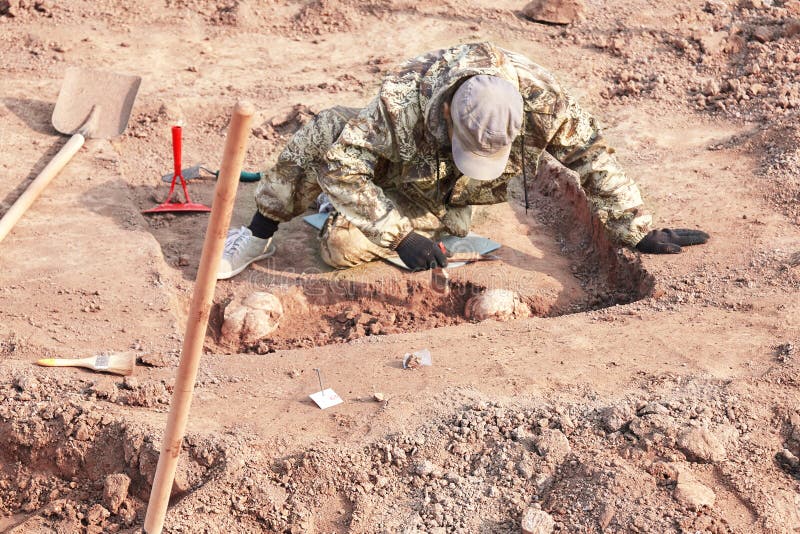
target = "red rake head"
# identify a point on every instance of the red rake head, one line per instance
(168, 205)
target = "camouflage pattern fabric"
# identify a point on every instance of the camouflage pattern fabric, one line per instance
(388, 167)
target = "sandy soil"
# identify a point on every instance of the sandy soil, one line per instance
(645, 394)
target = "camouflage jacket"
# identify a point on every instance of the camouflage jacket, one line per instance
(396, 151)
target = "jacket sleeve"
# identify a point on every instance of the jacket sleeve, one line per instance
(291, 185)
(349, 172)
(615, 198)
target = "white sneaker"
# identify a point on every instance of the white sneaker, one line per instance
(241, 249)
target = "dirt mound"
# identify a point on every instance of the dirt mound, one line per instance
(56, 455)
(330, 16)
(594, 466)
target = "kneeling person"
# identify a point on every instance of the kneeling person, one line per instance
(447, 131)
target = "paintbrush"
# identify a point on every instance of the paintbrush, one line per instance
(120, 363)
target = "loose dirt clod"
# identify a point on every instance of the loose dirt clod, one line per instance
(252, 319)
(554, 11)
(537, 522)
(700, 445)
(692, 493)
(499, 304)
(115, 491)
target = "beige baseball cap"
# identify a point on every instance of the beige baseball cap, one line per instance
(487, 117)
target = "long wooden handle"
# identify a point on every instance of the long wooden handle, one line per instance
(18, 209)
(218, 223)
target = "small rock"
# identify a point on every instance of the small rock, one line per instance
(714, 42)
(607, 511)
(9, 8)
(794, 422)
(735, 44)
(653, 407)
(614, 418)
(763, 34)
(105, 389)
(756, 89)
(96, 514)
(424, 468)
(537, 522)
(252, 319)
(553, 445)
(26, 382)
(711, 88)
(153, 359)
(786, 458)
(526, 468)
(82, 432)
(692, 493)
(183, 260)
(554, 11)
(791, 28)
(499, 304)
(700, 445)
(115, 490)
(379, 397)
(130, 382)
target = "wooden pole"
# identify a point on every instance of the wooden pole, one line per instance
(224, 196)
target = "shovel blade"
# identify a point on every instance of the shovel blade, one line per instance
(84, 89)
(189, 173)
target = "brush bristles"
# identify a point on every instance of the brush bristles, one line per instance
(122, 363)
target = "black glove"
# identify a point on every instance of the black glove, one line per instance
(667, 241)
(420, 253)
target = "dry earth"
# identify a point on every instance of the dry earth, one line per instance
(645, 394)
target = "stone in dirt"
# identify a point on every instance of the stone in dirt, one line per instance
(763, 34)
(713, 43)
(692, 493)
(614, 418)
(424, 468)
(537, 522)
(252, 319)
(553, 445)
(499, 304)
(115, 491)
(554, 11)
(700, 445)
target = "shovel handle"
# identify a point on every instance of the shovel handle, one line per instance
(27, 198)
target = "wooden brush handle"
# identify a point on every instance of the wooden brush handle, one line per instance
(218, 223)
(65, 362)
(18, 209)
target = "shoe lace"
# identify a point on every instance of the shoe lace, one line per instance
(235, 241)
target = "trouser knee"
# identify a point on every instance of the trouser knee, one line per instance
(342, 245)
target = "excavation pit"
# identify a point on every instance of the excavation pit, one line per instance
(556, 257)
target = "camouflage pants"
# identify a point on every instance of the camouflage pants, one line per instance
(342, 245)
(292, 185)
